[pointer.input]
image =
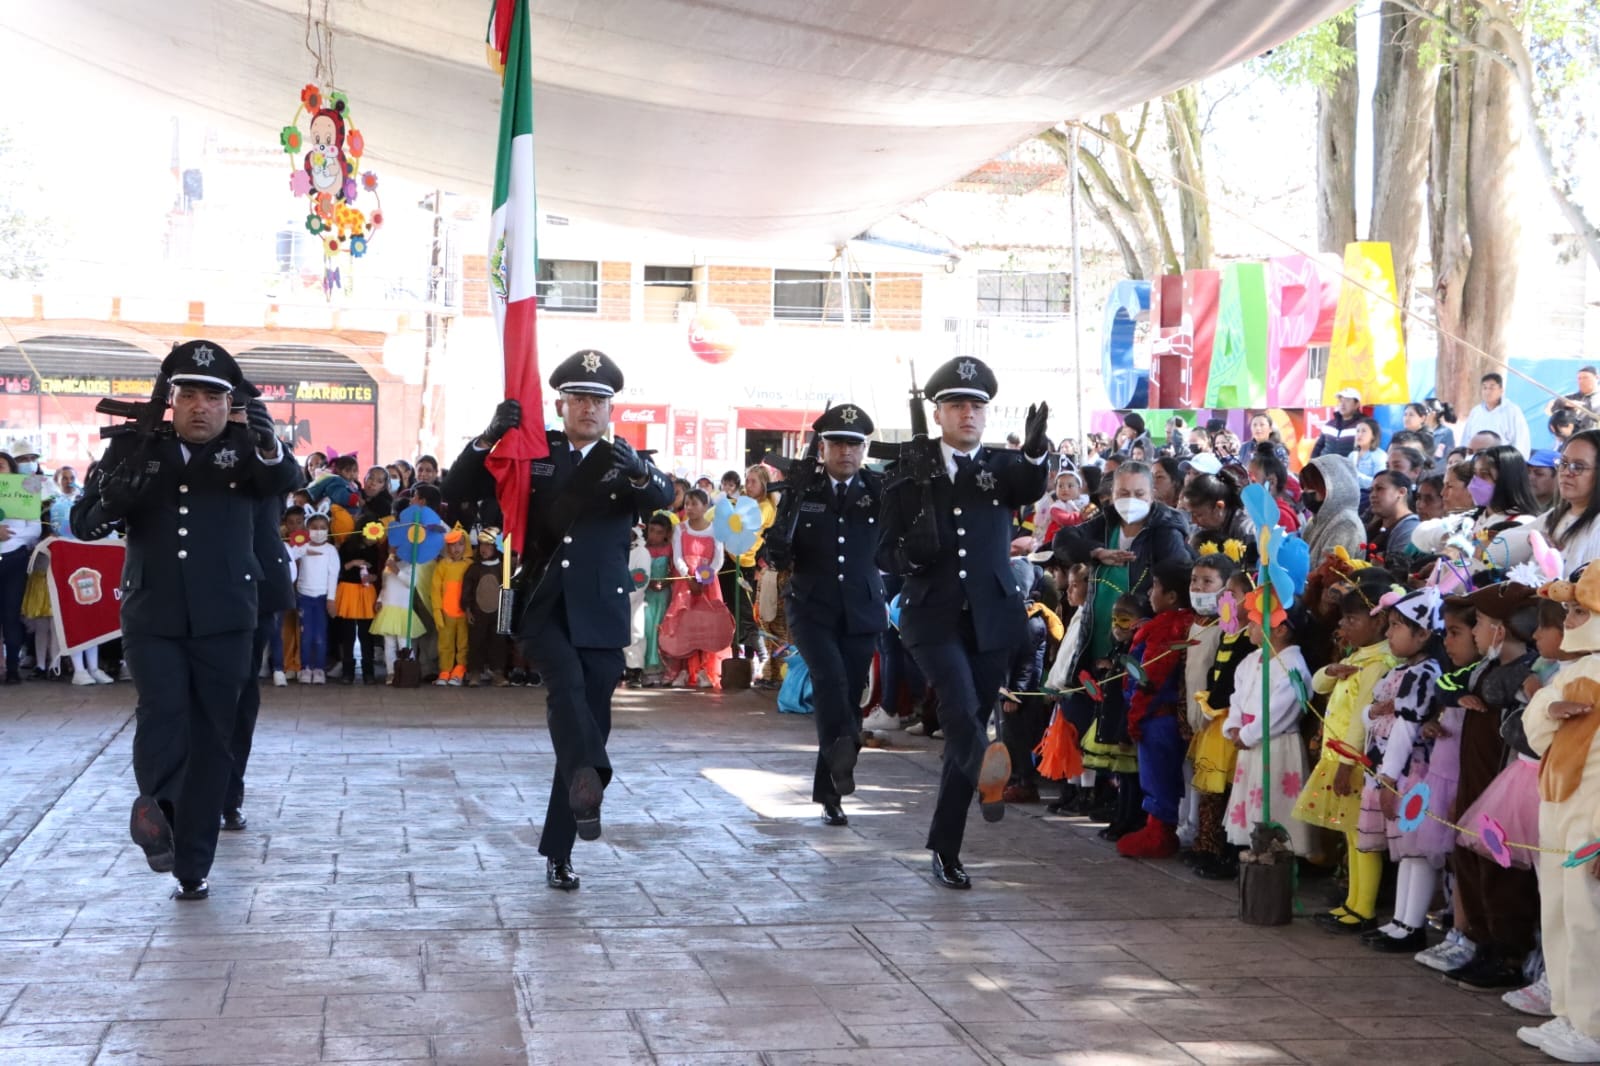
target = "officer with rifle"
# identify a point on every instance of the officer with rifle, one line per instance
(573, 612)
(947, 528)
(186, 493)
(826, 533)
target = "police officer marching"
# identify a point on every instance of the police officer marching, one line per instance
(948, 530)
(573, 610)
(186, 493)
(827, 535)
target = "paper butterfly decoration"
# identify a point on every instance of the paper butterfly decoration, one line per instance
(736, 524)
(1414, 807)
(1229, 615)
(1493, 835)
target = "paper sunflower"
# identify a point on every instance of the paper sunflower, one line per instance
(1414, 807)
(373, 530)
(1208, 547)
(1234, 549)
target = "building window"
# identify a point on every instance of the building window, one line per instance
(297, 253)
(1005, 292)
(673, 277)
(814, 296)
(667, 291)
(569, 285)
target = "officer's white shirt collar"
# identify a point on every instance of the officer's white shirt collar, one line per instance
(847, 482)
(583, 452)
(950, 457)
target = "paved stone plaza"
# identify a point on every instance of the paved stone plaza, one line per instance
(386, 905)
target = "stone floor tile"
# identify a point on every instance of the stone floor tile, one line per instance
(1235, 1052)
(769, 1029)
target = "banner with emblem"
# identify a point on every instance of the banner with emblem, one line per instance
(85, 590)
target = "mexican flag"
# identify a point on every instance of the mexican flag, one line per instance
(513, 266)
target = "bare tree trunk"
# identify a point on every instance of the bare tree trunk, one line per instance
(1447, 201)
(1336, 156)
(1493, 210)
(1404, 91)
(1182, 113)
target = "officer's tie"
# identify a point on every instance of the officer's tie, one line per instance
(963, 462)
(840, 490)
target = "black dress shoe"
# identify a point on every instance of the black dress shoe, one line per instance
(560, 875)
(841, 762)
(1413, 941)
(192, 890)
(150, 830)
(949, 872)
(833, 814)
(1486, 973)
(233, 821)
(584, 793)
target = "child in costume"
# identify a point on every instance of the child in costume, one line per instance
(1107, 745)
(1404, 705)
(396, 621)
(356, 602)
(1332, 796)
(1077, 794)
(480, 600)
(1156, 710)
(1562, 723)
(657, 594)
(693, 625)
(1496, 908)
(1219, 645)
(316, 585)
(1272, 760)
(449, 620)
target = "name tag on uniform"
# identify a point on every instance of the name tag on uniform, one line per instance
(542, 469)
(813, 506)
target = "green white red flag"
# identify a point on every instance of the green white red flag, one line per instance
(514, 267)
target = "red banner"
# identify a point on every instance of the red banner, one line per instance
(85, 590)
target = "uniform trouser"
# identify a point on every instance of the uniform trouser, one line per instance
(13, 582)
(578, 685)
(188, 701)
(485, 646)
(452, 644)
(1161, 750)
(967, 682)
(838, 662)
(244, 726)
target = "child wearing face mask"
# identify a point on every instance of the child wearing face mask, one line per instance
(1271, 758)
(316, 586)
(1332, 795)
(1212, 664)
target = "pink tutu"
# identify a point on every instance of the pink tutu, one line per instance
(1512, 798)
(1434, 839)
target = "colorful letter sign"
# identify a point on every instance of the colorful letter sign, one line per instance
(1199, 328)
(1368, 351)
(1238, 375)
(1126, 384)
(1302, 292)
(1169, 361)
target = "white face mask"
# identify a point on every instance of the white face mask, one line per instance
(1132, 509)
(318, 536)
(27, 466)
(1204, 602)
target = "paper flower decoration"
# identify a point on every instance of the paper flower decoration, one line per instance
(1091, 686)
(1414, 807)
(894, 611)
(640, 578)
(1135, 670)
(1234, 549)
(705, 575)
(373, 531)
(1229, 616)
(1345, 751)
(299, 538)
(291, 139)
(1208, 547)
(1586, 854)
(1493, 835)
(737, 524)
(358, 247)
(417, 535)
(369, 181)
(1260, 506)
(311, 98)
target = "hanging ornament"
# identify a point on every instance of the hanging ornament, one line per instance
(1414, 807)
(1585, 854)
(1493, 835)
(326, 150)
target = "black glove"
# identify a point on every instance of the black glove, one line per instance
(507, 416)
(121, 489)
(259, 419)
(1034, 443)
(629, 463)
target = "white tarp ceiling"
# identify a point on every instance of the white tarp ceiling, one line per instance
(727, 119)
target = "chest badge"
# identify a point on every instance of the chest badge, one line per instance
(985, 480)
(225, 458)
(864, 502)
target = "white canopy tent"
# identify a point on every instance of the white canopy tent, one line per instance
(721, 119)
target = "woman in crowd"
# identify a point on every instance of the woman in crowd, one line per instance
(1215, 509)
(1573, 524)
(315, 464)
(1439, 417)
(1503, 511)
(1166, 478)
(1264, 438)
(1368, 455)
(1430, 497)
(746, 635)
(377, 502)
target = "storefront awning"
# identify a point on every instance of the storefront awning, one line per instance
(782, 419)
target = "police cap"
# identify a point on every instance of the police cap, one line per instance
(962, 378)
(589, 371)
(203, 363)
(843, 421)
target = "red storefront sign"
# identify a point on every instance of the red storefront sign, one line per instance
(686, 435)
(714, 439)
(640, 414)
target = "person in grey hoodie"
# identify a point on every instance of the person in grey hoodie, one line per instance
(1329, 490)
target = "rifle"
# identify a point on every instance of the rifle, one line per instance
(145, 419)
(799, 475)
(919, 461)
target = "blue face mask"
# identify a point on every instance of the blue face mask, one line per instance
(394, 485)
(27, 466)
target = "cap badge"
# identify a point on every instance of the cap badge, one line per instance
(591, 361)
(202, 356)
(967, 369)
(848, 416)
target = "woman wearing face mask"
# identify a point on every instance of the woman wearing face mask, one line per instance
(1572, 526)
(17, 538)
(1503, 514)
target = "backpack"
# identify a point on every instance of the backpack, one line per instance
(794, 696)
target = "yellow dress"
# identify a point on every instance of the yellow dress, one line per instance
(1347, 698)
(1213, 756)
(36, 595)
